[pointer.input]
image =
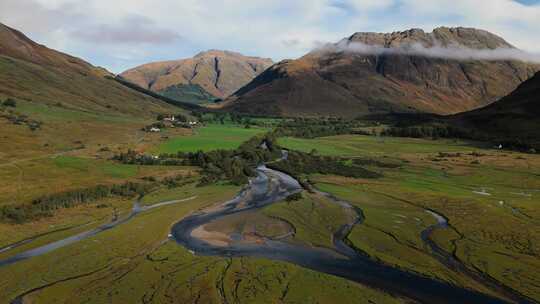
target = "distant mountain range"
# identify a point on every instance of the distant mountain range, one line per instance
(37, 74)
(205, 77)
(447, 71)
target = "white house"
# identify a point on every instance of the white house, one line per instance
(154, 129)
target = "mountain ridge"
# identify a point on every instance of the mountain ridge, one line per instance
(35, 73)
(220, 73)
(346, 83)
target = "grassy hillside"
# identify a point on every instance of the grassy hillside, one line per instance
(192, 93)
(514, 117)
(74, 103)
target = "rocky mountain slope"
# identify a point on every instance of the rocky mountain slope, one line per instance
(218, 73)
(447, 71)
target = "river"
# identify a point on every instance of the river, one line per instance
(271, 186)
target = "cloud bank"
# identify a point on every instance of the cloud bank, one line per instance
(452, 52)
(120, 34)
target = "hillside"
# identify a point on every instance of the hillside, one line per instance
(33, 72)
(74, 101)
(206, 76)
(401, 72)
(514, 117)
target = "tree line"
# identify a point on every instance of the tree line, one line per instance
(319, 127)
(447, 131)
(46, 205)
(235, 166)
(299, 164)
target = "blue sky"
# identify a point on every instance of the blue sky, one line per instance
(121, 34)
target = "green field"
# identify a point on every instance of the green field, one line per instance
(355, 145)
(490, 197)
(135, 261)
(210, 137)
(463, 181)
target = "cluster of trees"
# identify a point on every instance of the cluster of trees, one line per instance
(235, 166)
(219, 117)
(163, 122)
(300, 163)
(233, 118)
(436, 131)
(179, 117)
(429, 131)
(311, 127)
(45, 206)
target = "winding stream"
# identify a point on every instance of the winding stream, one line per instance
(271, 186)
(137, 208)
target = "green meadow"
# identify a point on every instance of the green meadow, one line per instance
(210, 137)
(490, 197)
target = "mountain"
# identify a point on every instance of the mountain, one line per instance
(208, 75)
(401, 72)
(34, 73)
(64, 103)
(513, 118)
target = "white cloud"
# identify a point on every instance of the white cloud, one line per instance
(365, 5)
(98, 30)
(455, 52)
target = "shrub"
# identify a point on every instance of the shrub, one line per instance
(294, 197)
(10, 103)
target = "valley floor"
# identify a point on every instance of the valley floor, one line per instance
(490, 198)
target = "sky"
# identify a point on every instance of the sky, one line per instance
(121, 34)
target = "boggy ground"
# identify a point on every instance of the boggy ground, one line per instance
(491, 199)
(135, 262)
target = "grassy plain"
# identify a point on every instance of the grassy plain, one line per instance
(210, 137)
(135, 262)
(491, 198)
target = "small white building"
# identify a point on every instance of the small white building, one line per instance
(192, 123)
(154, 129)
